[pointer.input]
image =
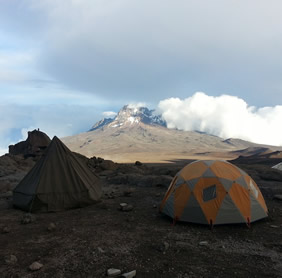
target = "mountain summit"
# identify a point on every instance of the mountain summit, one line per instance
(130, 115)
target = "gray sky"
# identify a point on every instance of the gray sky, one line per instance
(97, 55)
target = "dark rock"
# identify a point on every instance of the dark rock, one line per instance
(6, 230)
(100, 160)
(51, 227)
(108, 165)
(125, 207)
(28, 218)
(278, 197)
(118, 179)
(138, 163)
(34, 145)
(11, 259)
(35, 266)
(130, 274)
(128, 192)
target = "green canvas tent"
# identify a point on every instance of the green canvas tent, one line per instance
(59, 180)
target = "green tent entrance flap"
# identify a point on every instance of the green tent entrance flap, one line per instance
(58, 181)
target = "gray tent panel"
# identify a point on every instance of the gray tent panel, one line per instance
(208, 173)
(243, 173)
(208, 162)
(168, 209)
(193, 212)
(227, 184)
(228, 213)
(191, 183)
(242, 182)
(179, 182)
(257, 211)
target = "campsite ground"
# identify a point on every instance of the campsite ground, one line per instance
(88, 241)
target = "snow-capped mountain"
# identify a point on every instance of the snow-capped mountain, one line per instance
(129, 116)
(137, 133)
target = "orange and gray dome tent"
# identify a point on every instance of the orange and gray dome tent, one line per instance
(59, 180)
(213, 192)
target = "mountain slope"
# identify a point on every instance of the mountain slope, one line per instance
(138, 134)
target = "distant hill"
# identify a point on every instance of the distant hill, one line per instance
(140, 134)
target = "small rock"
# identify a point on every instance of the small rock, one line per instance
(128, 192)
(138, 163)
(129, 274)
(166, 246)
(51, 227)
(162, 247)
(6, 230)
(7, 194)
(182, 244)
(125, 207)
(128, 208)
(110, 196)
(130, 219)
(101, 250)
(122, 205)
(278, 197)
(203, 243)
(12, 259)
(35, 266)
(111, 272)
(155, 206)
(28, 218)
(274, 226)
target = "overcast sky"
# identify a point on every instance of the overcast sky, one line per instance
(63, 63)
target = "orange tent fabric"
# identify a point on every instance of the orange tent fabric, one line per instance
(213, 192)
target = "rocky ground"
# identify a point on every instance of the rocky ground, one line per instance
(86, 242)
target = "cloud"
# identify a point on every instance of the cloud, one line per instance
(109, 114)
(225, 116)
(53, 119)
(154, 48)
(134, 105)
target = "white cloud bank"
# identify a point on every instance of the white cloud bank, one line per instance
(225, 116)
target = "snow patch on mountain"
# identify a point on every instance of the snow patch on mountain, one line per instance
(131, 115)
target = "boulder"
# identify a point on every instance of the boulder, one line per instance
(108, 165)
(34, 145)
